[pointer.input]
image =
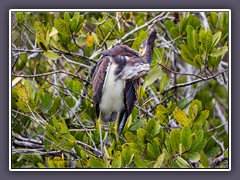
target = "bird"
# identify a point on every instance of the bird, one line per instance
(116, 79)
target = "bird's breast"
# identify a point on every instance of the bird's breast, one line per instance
(112, 99)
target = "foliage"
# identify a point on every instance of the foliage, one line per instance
(179, 121)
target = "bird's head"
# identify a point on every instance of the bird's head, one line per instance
(146, 47)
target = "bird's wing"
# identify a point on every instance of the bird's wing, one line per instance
(120, 50)
(98, 81)
(130, 96)
(134, 69)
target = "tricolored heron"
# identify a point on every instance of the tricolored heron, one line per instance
(116, 80)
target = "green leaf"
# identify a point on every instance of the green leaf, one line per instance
(95, 38)
(164, 82)
(182, 163)
(74, 24)
(192, 39)
(181, 117)
(67, 17)
(141, 134)
(20, 17)
(186, 54)
(194, 108)
(135, 148)
(219, 51)
(186, 137)
(22, 93)
(207, 40)
(216, 38)
(226, 153)
(158, 163)
(55, 106)
(152, 76)
(213, 18)
(62, 26)
(202, 117)
(151, 151)
(198, 61)
(40, 165)
(158, 55)
(169, 24)
(204, 160)
(174, 32)
(95, 163)
(136, 44)
(50, 55)
(194, 157)
(70, 101)
(175, 139)
(139, 162)
(127, 157)
(197, 139)
(21, 63)
(117, 162)
(153, 127)
(162, 115)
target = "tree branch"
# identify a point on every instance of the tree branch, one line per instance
(193, 82)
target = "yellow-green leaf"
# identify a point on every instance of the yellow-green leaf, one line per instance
(50, 55)
(163, 82)
(152, 76)
(194, 108)
(181, 117)
(20, 17)
(202, 117)
(139, 162)
(62, 26)
(175, 139)
(216, 38)
(182, 163)
(158, 163)
(117, 162)
(219, 52)
(204, 160)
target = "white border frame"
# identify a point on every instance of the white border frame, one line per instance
(112, 10)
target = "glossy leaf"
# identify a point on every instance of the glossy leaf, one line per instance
(194, 157)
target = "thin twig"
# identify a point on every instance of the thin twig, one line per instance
(193, 82)
(157, 18)
(184, 74)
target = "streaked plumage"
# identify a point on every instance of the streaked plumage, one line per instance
(116, 80)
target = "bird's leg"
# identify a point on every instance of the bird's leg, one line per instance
(116, 127)
(99, 124)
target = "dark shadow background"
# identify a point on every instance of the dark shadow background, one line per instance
(106, 4)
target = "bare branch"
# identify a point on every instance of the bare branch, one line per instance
(193, 82)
